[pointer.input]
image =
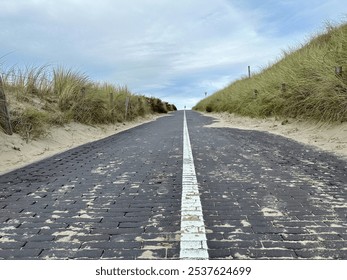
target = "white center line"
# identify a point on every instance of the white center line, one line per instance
(193, 235)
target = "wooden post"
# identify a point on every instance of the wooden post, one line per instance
(5, 122)
(283, 87)
(249, 71)
(126, 106)
(83, 92)
(338, 71)
(112, 106)
(255, 93)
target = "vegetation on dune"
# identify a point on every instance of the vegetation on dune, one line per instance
(306, 83)
(41, 97)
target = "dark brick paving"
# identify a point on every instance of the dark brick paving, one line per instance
(263, 196)
(115, 198)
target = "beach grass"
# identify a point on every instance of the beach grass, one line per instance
(305, 83)
(41, 97)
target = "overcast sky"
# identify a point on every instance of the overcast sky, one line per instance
(175, 50)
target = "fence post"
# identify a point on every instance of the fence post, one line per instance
(126, 107)
(83, 92)
(338, 71)
(249, 71)
(112, 106)
(4, 115)
(255, 93)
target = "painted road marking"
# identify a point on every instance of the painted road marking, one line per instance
(193, 235)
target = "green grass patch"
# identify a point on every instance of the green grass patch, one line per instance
(42, 97)
(30, 124)
(302, 84)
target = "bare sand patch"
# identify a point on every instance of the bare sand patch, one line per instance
(16, 153)
(327, 137)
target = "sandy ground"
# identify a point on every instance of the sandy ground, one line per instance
(331, 138)
(15, 152)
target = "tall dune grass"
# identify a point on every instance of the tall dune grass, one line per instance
(40, 97)
(303, 84)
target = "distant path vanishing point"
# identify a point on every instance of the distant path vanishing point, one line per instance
(175, 189)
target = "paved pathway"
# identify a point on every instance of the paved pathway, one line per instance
(262, 196)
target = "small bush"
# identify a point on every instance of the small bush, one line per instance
(209, 109)
(90, 110)
(30, 124)
(158, 106)
(58, 118)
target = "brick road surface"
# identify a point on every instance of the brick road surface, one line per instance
(265, 196)
(262, 196)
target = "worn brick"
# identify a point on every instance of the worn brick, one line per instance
(214, 236)
(58, 254)
(148, 254)
(92, 237)
(265, 229)
(112, 245)
(291, 244)
(11, 245)
(132, 224)
(20, 254)
(272, 253)
(334, 244)
(173, 253)
(88, 254)
(300, 237)
(121, 255)
(52, 245)
(233, 244)
(321, 254)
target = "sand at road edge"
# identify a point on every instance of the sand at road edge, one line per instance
(15, 152)
(331, 138)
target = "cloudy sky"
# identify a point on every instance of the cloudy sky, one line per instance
(175, 50)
